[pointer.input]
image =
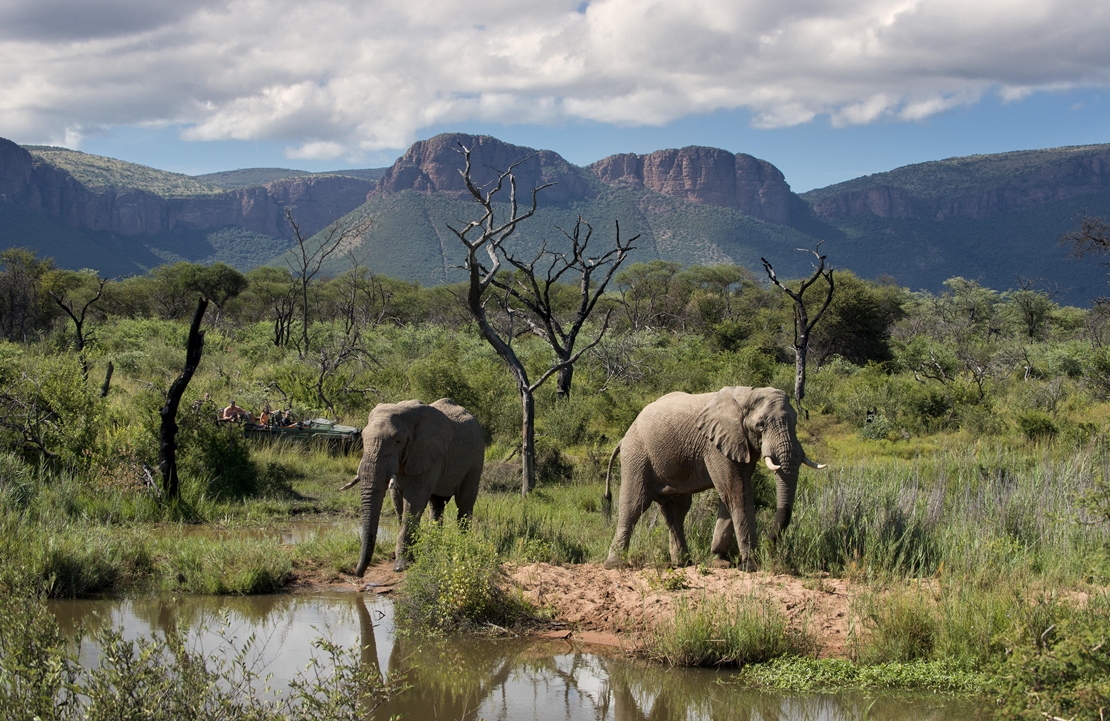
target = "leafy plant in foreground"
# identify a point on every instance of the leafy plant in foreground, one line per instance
(456, 582)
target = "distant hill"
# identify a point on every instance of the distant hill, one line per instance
(993, 218)
(101, 174)
(120, 218)
(246, 177)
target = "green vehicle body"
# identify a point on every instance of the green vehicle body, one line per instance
(316, 430)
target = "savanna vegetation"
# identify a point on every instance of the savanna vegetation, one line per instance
(966, 433)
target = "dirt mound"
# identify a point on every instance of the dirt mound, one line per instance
(628, 603)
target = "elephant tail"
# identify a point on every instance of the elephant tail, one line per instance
(607, 499)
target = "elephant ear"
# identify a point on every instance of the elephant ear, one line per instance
(430, 439)
(722, 422)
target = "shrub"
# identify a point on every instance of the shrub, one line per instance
(1064, 672)
(456, 582)
(215, 454)
(1036, 426)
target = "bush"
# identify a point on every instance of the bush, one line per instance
(1064, 672)
(456, 583)
(215, 454)
(1036, 426)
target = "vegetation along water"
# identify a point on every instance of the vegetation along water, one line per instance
(961, 530)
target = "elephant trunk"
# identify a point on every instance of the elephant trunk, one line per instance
(374, 476)
(786, 483)
(788, 455)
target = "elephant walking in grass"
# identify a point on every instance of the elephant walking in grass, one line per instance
(431, 453)
(683, 443)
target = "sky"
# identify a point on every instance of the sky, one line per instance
(826, 90)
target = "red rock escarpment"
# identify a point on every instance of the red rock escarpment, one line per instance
(433, 165)
(709, 176)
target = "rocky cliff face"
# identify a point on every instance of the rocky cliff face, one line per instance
(432, 166)
(1068, 176)
(42, 188)
(709, 176)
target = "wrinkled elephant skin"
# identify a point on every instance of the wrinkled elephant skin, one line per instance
(682, 444)
(431, 453)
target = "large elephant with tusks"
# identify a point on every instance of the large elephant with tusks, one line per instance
(683, 443)
(431, 452)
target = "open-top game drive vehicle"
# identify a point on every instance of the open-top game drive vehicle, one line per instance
(316, 430)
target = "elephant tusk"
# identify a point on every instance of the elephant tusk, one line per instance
(350, 484)
(812, 464)
(770, 463)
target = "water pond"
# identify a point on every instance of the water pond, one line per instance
(469, 678)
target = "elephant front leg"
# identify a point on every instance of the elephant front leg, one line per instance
(724, 536)
(675, 509)
(410, 521)
(743, 519)
(733, 483)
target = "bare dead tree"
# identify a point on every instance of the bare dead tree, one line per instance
(802, 323)
(167, 437)
(365, 299)
(1092, 238)
(309, 258)
(488, 234)
(70, 306)
(533, 288)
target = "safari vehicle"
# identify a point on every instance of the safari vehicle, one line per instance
(316, 430)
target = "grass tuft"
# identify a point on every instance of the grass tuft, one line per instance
(727, 632)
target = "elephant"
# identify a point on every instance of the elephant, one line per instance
(681, 444)
(430, 453)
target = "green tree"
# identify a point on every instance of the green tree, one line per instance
(23, 308)
(858, 322)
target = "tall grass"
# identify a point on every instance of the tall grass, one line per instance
(959, 511)
(727, 632)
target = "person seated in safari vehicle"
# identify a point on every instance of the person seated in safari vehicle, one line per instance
(235, 413)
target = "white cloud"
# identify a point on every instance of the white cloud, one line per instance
(317, 150)
(341, 77)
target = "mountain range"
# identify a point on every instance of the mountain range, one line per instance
(994, 218)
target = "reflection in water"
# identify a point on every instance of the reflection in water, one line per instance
(473, 678)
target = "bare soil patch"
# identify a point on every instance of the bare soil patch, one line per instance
(604, 605)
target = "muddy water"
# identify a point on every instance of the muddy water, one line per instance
(467, 678)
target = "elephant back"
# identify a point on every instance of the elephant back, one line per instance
(468, 445)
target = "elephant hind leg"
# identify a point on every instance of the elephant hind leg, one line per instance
(675, 509)
(629, 512)
(438, 503)
(467, 494)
